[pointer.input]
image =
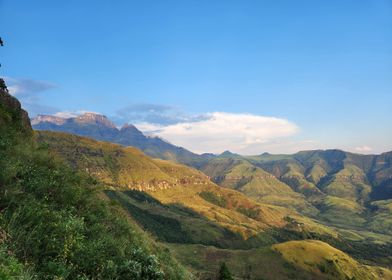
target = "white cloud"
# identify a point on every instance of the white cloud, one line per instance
(219, 131)
(73, 114)
(27, 88)
(363, 149)
(29, 92)
(66, 114)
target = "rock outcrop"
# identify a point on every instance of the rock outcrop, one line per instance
(11, 105)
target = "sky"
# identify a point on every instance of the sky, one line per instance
(210, 75)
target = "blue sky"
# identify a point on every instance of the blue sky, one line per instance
(186, 70)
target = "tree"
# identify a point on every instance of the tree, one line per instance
(3, 85)
(224, 273)
(1, 44)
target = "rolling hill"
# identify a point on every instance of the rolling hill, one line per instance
(256, 183)
(198, 220)
(127, 170)
(342, 189)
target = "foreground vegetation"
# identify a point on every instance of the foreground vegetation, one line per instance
(52, 224)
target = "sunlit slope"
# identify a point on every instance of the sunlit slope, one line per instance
(305, 259)
(339, 189)
(333, 172)
(381, 219)
(327, 262)
(256, 183)
(173, 184)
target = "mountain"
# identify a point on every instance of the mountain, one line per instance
(234, 208)
(239, 174)
(99, 127)
(220, 216)
(54, 223)
(338, 188)
(203, 224)
(300, 259)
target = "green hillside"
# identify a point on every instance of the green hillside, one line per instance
(305, 259)
(326, 262)
(53, 224)
(256, 183)
(125, 168)
(339, 189)
(181, 207)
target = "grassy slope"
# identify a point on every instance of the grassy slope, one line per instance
(173, 184)
(327, 262)
(263, 263)
(167, 182)
(324, 260)
(340, 185)
(381, 220)
(52, 226)
(305, 259)
(254, 182)
(180, 204)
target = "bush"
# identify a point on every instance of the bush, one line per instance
(58, 226)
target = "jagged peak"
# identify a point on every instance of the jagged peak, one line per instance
(90, 117)
(129, 126)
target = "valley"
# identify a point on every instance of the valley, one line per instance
(310, 215)
(248, 208)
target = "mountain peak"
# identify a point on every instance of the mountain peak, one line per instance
(128, 126)
(227, 154)
(95, 119)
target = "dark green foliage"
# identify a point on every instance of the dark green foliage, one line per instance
(57, 225)
(249, 212)
(213, 198)
(224, 273)
(2, 85)
(11, 268)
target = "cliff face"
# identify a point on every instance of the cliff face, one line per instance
(11, 112)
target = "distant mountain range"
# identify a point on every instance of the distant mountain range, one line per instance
(311, 173)
(253, 202)
(99, 127)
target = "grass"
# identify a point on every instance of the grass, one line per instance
(56, 226)
(240, 175)
(262, 263)
(327, 262)
(340, 211)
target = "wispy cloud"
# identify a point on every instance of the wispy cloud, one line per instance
(73, 114)
(219, 131)
(363, 149)
(29, 91)
(27, 88)
(153, 114)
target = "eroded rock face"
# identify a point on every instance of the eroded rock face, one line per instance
(11, 104)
